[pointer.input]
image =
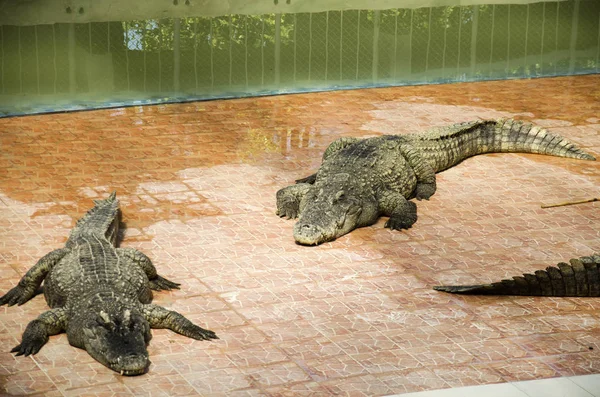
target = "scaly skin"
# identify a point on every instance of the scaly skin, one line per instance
(100, 296)
(362, 179)
(579, 278)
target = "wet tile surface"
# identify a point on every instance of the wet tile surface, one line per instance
(356, 316)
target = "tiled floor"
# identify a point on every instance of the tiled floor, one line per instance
(357, 316)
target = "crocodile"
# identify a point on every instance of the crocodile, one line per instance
(361, 179)
(100, 295)
(579, 277)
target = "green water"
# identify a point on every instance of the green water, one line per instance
(57, 66)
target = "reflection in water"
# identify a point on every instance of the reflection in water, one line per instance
(65, 65)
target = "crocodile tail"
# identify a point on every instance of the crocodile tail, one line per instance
(579, 278)
(447, 146)
(102, 219)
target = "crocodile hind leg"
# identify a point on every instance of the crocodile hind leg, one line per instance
(159, 317)
(155, 282)
(37, 332)
(289, 198)
(32, 280)
(402, 213)
(423, 171)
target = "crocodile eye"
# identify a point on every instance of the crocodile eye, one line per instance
(340, 196)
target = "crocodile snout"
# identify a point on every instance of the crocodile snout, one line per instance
(308, 234)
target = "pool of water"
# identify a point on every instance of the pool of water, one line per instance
(100, 54)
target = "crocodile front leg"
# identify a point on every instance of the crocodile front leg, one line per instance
(159, 317)
(32, 280)
(288, 200)
(402, 213)
(37, 332)
(155, 282)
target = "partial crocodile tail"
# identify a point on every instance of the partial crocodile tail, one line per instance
(447, 146)
(102, 219)
(580, 278)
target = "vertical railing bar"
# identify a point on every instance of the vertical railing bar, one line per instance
(160, 42)
(262, 51)
(90, 37)
(396, 45)
(444, 48)
(556, 37)
(54, 56)
(246, 49)
(127, 55)
(2, 53)
(277, 48)
(375, 63)
(212, 66)
(309, 44)
(230, 50)
(492, 37)
(428, 41)
(295, 41)
(573, 41)
(527, 41)
(410, 35)
(144, 52)
(341, 43)
(326, 44)
(196, 54)
(357, 43)
(37, 59)
(176, 53)
(542, 43)
(459, 38)
(71, 55)
(20, 61)
(508, 45)
(597, 51)
(474, 28)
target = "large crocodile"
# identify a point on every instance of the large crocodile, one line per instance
(362, 179)
(579, 278)
(100, 296)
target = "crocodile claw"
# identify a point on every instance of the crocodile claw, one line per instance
(16, 296)
(160, 283)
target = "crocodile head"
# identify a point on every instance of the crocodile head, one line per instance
(333, 207)
(118, 341)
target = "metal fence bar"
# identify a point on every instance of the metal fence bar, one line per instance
(196, 54)
(357, 43)
(527, 69)
(573, 43)
(474, 28)
(428, 41)
(277, 47)
(262, 51)
(212, 63)
(375, 63)
(543, 37)
(160, 42)
(176, 52)
(597, 50)
(341, 42)
(326, 45)
(53, 57)
(459, 37)
(395, 45)
(295, 43)
(556, 37)
(309, 44)
(2, 54)
(37, 59)
(492, 37)
(71, 55)
(246, 49)
(508, 45)
(230, 49)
